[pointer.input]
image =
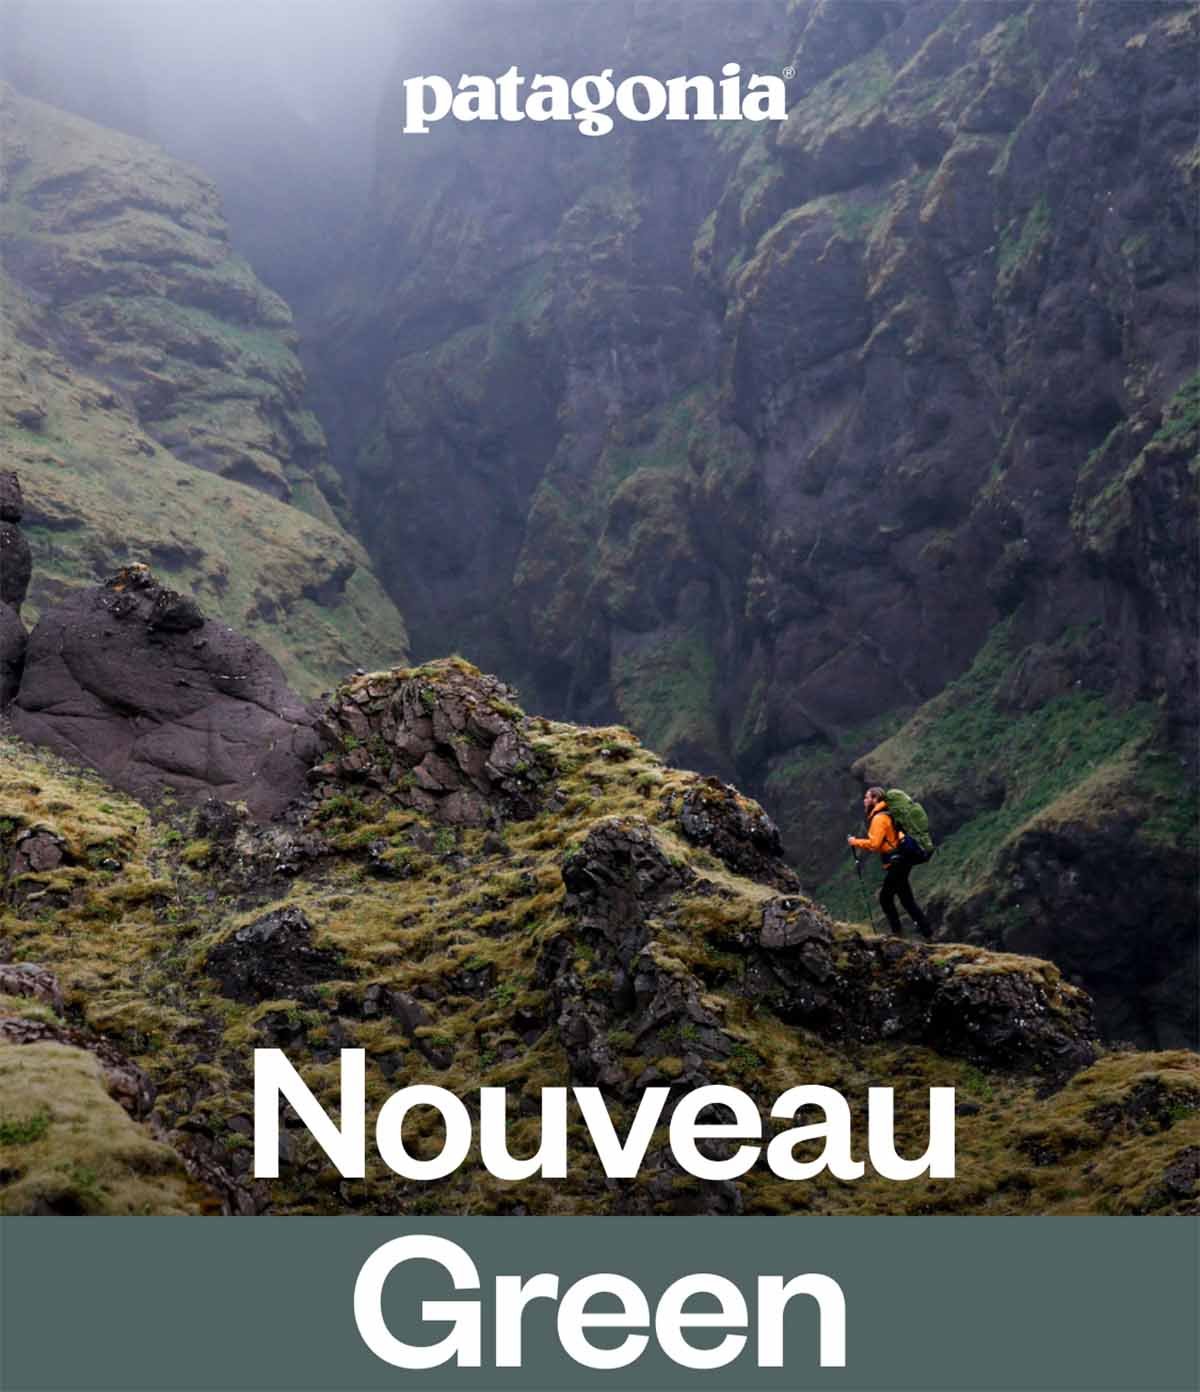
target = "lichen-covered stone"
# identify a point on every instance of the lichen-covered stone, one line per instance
(737, 830)
(443, 739)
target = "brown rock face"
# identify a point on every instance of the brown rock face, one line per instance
(134, 680)
(36, 852)
(26, 980)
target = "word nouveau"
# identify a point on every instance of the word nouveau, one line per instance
(587, 100)
(621, 1157)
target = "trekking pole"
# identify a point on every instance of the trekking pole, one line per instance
(866, 899)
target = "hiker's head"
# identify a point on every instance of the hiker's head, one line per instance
(873, 795)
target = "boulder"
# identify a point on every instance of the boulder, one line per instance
(12, 506)
(16, 565)
(736, 830)
(13, 643)
(37, 852)
(132, 678)
(272, 958)
(32, 982)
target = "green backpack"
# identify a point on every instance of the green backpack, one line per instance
(911, 820)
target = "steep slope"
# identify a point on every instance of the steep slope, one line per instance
(479, 897)
(152, 402)
(771, 433)
(277, 114)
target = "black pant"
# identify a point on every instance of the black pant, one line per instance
(896, 886)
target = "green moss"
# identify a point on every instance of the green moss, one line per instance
(141, 978)
(1182, 414)
(856, 221)
(1016, 248)
(668, 692)
(73, 1150)
(24, 1130)
(843, 97)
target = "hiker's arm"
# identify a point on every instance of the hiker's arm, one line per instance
(874, 839)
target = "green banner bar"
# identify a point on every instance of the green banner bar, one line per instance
(930, 1303)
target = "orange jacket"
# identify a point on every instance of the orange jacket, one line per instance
(882, 836)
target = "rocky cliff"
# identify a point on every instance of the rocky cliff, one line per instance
(153, 403)
(476, 896)
(870, 437)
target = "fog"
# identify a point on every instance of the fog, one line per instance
(275, 99)
(325, 59)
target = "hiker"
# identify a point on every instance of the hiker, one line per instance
(883, 839)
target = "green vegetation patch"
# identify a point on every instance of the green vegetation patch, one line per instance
(841, 99)
(24, 1130)
(68, 1148)
(667, 690)
(1017, 247)
(1063, 759)
(1181, 417)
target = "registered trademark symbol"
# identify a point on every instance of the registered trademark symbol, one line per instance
(789, 72)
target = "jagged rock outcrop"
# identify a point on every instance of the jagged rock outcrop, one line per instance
(993, 1012)
(1109, 911)
(90, 1089)
(844, 987)
(123, 1081)
(26, 980)
(134, 680)
(12, 504)
(737, 831)
(16, 564)
(445, 739)
(77, 1076)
